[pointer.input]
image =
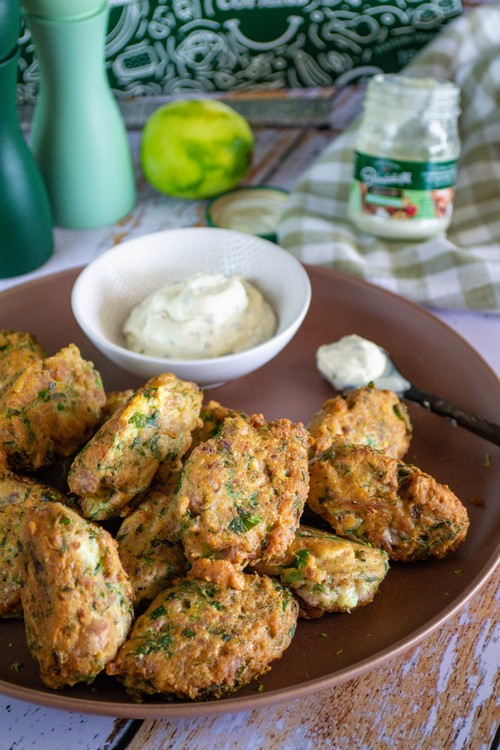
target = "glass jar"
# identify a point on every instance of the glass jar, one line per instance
(406, 157)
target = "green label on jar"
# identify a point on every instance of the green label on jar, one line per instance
(395, 189)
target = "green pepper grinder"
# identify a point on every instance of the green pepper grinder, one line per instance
(78, 134)
(26, 239)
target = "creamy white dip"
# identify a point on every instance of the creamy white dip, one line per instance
(257, 219)
(250, 209)
(353, 362)
(200, 317)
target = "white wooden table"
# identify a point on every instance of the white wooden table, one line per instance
(438, 696)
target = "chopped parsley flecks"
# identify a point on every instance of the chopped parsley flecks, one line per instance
(244, 521)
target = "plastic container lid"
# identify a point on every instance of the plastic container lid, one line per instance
(256, 210)
(63, 10)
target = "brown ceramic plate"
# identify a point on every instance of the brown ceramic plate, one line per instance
(415, 598)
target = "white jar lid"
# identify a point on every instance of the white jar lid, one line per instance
(255, 209)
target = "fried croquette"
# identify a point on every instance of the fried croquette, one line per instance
(220, 572)
(17, 351)
(11, 522)
(16, 495)
(149, 546)
(114, 401)
(328, 573)
(76, 598)
(49, 410)
(212, 415)
(15, 488)
(242, 492)
(201, 641)
(371, 497)
(120, 460)
(366, 416)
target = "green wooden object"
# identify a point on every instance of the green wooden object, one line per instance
(26, 240)
(78, 136)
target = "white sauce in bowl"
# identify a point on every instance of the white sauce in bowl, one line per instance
(200, 317)
(353, 362)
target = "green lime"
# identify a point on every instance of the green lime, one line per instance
(195, 148)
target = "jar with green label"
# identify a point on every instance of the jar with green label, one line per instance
(406, 157)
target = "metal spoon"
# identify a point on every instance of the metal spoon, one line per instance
(479, 426)
(390, 378)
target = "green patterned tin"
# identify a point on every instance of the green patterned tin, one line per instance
(169, 47)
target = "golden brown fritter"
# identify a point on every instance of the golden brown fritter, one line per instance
(114, 401)
(17, 493)
(17, 351)
(371, 497)
(15, 488)
(221, 572)
(328, 573)
(212, 416)
(120, 460)
(148, 543)
(50, 409)
(366, 416)
(242, 492)
(198, 640)
(76, 597)
(11, 523)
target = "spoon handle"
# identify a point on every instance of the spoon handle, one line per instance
(482, 427)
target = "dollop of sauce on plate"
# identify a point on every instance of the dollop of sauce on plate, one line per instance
(353, 362)
(200, 317)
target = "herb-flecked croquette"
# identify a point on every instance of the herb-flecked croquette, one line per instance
(370, 497)
(201, 641)
(366, 416)
(49, 410)
(148, 543)
(242, 493)
(17, 494)
(328, 573)
(18, 349)
(76, 597)
(153, 427)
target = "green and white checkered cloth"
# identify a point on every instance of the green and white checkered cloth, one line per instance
(459, 269)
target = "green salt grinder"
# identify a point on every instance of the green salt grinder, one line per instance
(26, 239)
(78, 135)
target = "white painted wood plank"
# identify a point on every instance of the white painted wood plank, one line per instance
(25, 725)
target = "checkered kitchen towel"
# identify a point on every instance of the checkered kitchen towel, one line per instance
(458, 270)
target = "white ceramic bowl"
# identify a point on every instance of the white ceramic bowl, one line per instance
(109, 287)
